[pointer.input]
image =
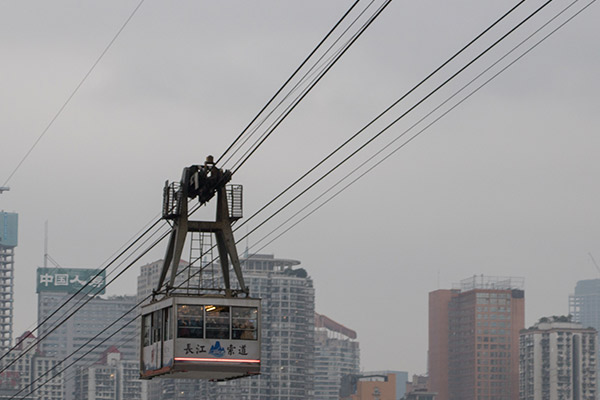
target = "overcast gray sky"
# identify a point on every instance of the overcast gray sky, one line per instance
(506, 184)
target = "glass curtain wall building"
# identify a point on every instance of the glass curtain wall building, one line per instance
(584, 304)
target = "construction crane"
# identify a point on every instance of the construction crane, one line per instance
(595, 263)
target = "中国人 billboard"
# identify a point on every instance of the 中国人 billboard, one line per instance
(70, 280)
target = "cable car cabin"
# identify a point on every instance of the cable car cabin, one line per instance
(214, 338)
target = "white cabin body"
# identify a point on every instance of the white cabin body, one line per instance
(208, 337)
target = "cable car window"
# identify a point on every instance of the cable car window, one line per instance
(168, 324)
(190, 321)
(244, 323)
(217, 322)
(147, 328)
(156, 326)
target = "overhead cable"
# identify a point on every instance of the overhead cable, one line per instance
(64, 105)
(315, 69)
(363, 29)
(428, 125)
(288, 80)
(394, 104)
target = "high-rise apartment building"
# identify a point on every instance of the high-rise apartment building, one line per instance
(336, 354)
(9, 223)
(27, 369)
(558, 361)
(164, 388)
(111, 377)
(474, 339)
(55, 286)
(288, 329)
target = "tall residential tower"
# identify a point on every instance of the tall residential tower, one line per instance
(8, 241)
(558, 361)
(336, 354)
(288, 329)
(288, 336)
(474, 339)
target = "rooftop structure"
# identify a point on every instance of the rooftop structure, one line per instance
(490, 282)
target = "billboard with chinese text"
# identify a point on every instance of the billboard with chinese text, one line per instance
(70, 280)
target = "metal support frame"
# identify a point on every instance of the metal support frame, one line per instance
(202, 182)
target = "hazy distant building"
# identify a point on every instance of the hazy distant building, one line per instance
(336, 354)
(584, 305)
(149, 274)
(54, 287)
(369, 386)
(474, 339)
(29, 370)
(9, 223)
(111, 378)
(558, 361)
(401, 380)
(419, 394)
(419, 382)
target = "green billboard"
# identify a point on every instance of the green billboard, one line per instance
(70, 280)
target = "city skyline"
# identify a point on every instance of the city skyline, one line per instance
(147, 286)
(478, 284)
(505, 184)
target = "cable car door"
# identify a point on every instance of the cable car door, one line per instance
(167, 344)
(153, 353)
